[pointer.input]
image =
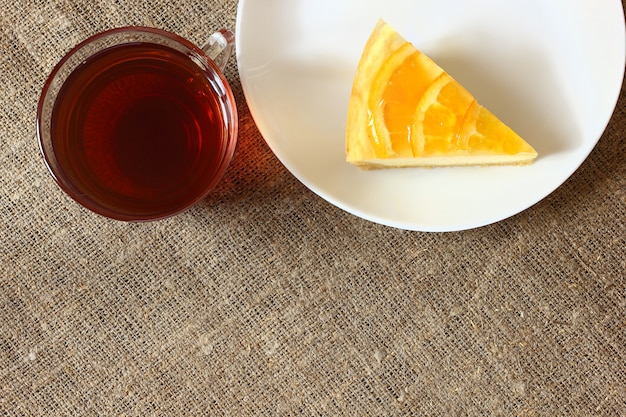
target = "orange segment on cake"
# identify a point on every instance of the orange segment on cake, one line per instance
(406, 111)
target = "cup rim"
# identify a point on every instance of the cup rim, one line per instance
(231, 128)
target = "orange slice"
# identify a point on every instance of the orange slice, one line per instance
(406, 111)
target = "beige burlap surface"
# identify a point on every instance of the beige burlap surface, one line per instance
(265, 300)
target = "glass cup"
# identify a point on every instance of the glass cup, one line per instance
(138, 124)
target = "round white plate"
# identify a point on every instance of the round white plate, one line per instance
(552, 70)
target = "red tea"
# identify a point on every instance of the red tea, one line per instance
(139, 128)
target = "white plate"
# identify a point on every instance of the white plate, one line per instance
(552, 70)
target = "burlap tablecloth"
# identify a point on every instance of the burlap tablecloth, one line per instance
(265, 300)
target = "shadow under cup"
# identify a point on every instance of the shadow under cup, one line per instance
(137, 124)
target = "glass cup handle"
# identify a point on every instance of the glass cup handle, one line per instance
(219, 47)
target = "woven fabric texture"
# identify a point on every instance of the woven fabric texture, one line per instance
(265, 300)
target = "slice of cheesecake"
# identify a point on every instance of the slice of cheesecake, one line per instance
(406, 111)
